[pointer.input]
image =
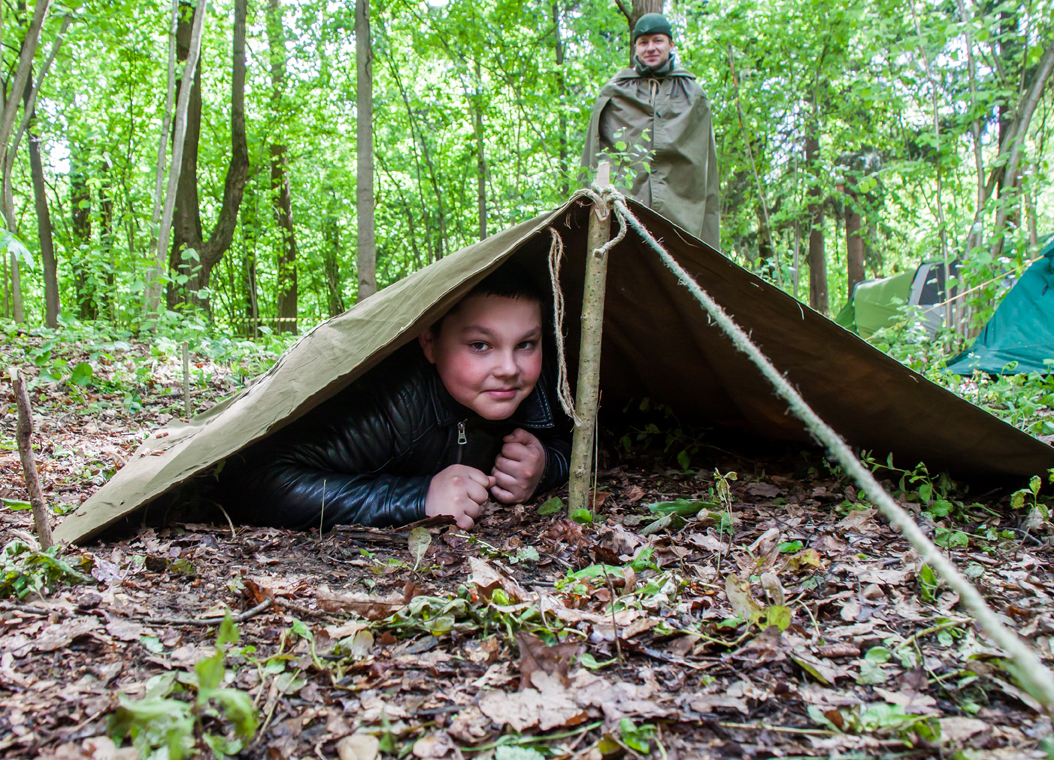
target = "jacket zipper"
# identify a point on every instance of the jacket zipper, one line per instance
(462, 439)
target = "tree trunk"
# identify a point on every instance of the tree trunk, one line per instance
(367, 249)
(561, 101)
(196, 268)
(481, 158)
(817, 259)
(47, 243)
(854, 245)
(105, 264)
(1014, 147)
(166, 121)
(331, 254)
(281, 201)
(7, 123)
(80, 227)
(975, 236)
(250, 231)
(190, 56)
(283, 215)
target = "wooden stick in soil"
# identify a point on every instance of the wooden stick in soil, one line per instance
(24, 439)
(186, 380)
(586, 397)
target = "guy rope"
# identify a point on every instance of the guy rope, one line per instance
(1030, 671)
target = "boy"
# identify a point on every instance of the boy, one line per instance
(466, 414)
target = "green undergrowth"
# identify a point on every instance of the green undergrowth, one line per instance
(27, 571)
(185, 713)
(86, 358)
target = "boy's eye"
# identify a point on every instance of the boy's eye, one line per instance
(527, 345)
(478, 345)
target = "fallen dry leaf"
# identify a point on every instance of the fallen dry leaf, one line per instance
(859, 520)
(487, 579)
(738, 593)
(60, 635)
(358, 747)
(546, 705)
(536, 657)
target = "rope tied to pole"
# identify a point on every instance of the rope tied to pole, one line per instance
(603, 200)
(1036, 678)
(563, 387)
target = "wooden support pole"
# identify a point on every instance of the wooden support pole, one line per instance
(588, 392)
(24, 440)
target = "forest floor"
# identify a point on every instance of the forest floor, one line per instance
(761, 611)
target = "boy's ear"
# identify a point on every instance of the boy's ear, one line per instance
(427, 341)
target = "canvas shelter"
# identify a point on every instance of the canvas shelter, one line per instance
(1019, 338)
(657, 343)
(876, 304)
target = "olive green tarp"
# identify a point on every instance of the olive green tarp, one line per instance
(657, 343)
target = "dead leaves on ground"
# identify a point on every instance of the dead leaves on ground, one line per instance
(791, 615)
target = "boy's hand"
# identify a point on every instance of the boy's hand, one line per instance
(459, 491)
(518, 468)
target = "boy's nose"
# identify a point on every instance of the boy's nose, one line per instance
(506, 364)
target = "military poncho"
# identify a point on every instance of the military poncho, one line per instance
(668, 118)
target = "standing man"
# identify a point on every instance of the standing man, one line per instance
(653, 122)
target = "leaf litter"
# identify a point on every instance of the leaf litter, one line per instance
(750, 611)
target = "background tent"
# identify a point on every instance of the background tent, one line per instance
(1019, 337)
(657, 343)
(876, 304)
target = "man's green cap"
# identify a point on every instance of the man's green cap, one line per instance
(652, 23)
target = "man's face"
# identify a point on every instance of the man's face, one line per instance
(488, 353)
(653, 49)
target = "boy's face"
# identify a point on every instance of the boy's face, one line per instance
(488, 353)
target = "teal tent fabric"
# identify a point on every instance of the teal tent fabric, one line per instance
(1019, 338)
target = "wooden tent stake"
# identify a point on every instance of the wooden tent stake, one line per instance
(587, 395)
(24, 439)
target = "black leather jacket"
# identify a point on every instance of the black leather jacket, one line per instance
(367, 455)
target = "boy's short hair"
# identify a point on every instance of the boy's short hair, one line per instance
(510, 280)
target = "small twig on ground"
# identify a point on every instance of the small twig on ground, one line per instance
(263, 606)
(234, 533)
(29, 609)
(302, 611)
(777, 729)
(24, 439)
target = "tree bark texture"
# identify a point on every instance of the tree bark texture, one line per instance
(331, 255)
(817, 258)
(481, 171)
(250, 232)
(191, 53)
(281, 200)
(80, 228)
(561, 98)
(186, 224)
(587, 396)
(166, 122)
(47, 243)
(854, 247)
(283, 214)
(7, 119)
(366, 245)
(1014, 147)
(24, 441)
